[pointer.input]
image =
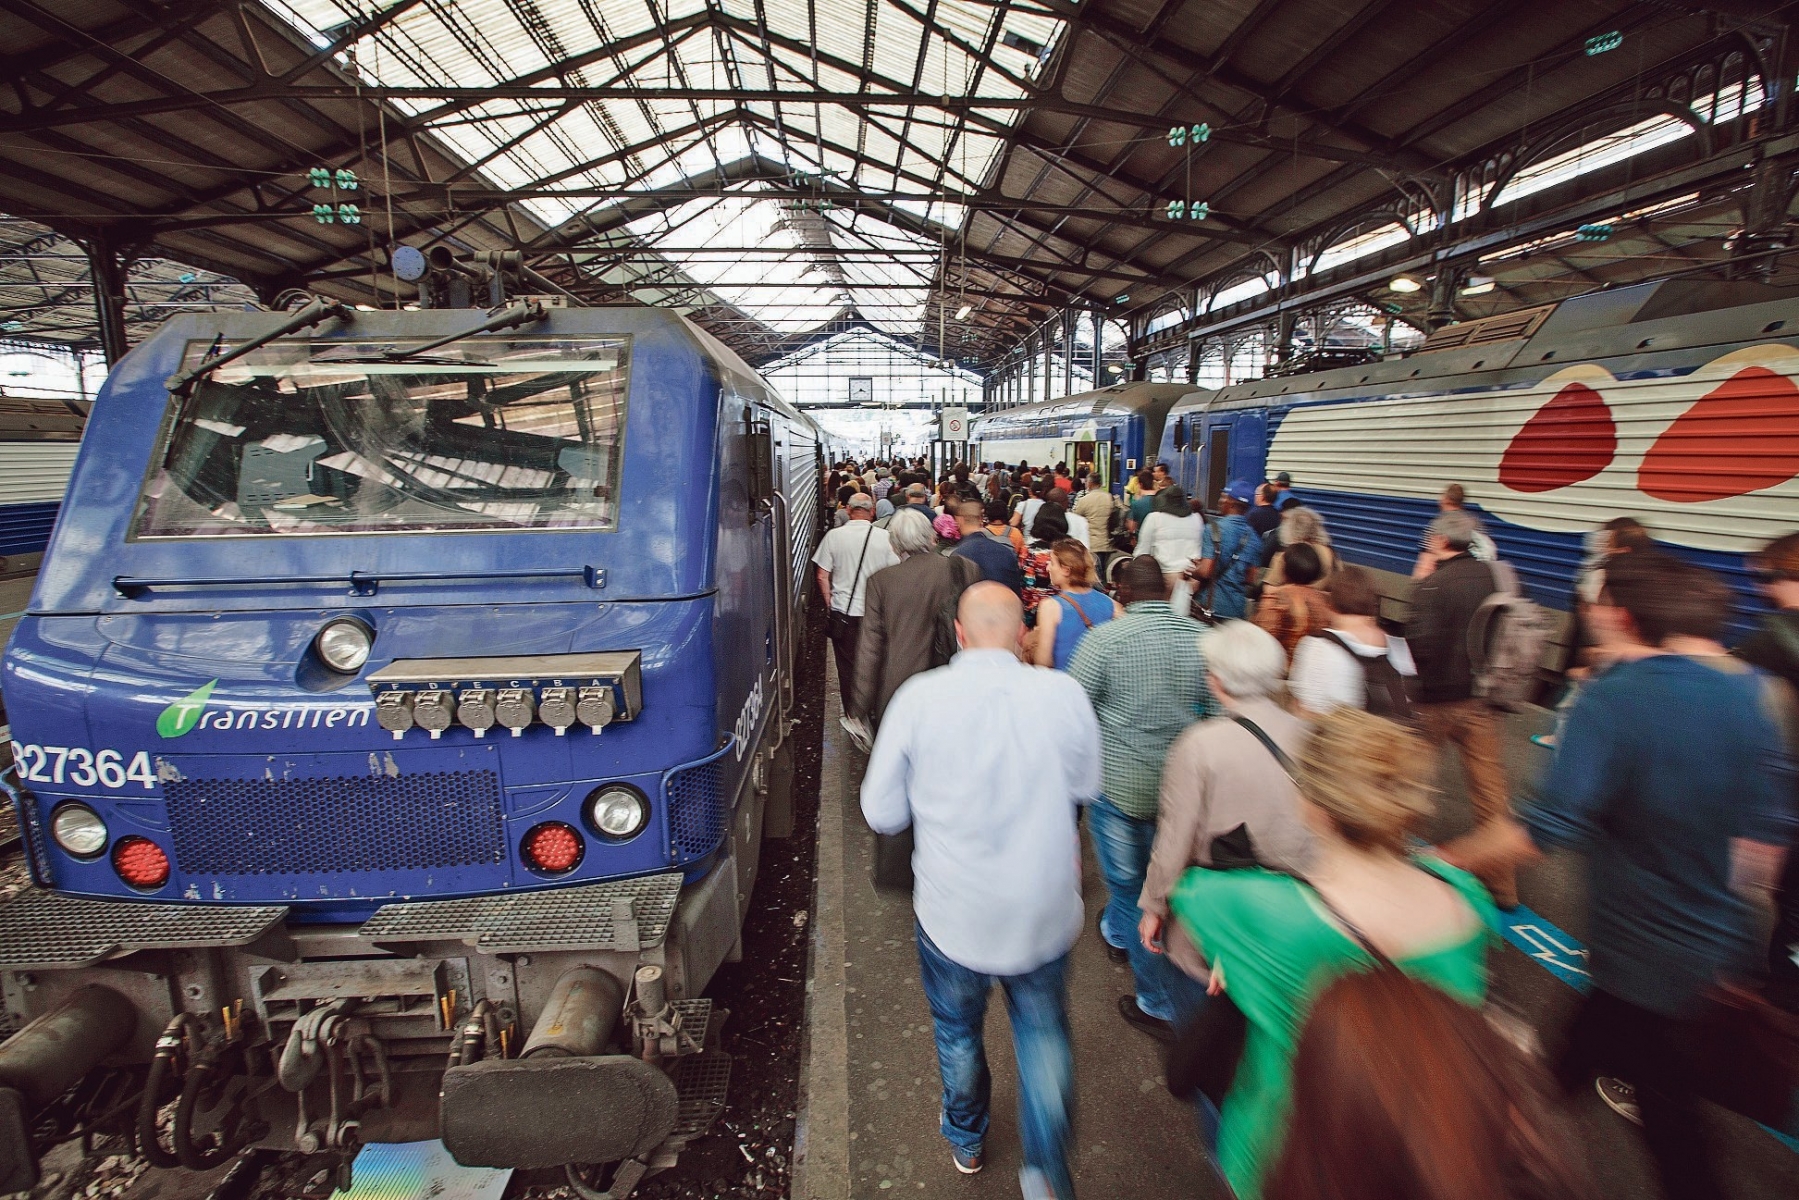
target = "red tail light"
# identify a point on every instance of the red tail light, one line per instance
(552, 848)
(140, 862)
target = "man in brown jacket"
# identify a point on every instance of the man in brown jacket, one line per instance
(900, 614)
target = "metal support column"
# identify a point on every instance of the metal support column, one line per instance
(1764, 219)
(1283, 338)
(1442, 296)
(107, 267)
(1068, 319)
(1099, 349)
(1049, 364)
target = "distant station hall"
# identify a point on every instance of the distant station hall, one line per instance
(845, 599)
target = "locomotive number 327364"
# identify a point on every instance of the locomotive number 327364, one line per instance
(82, 767)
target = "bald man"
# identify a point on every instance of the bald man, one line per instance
(988, 761)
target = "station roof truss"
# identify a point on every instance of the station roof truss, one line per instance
(785, 170)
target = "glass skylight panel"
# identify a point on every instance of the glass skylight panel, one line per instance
(1254, 286)
(649, 142)
(1362, 244)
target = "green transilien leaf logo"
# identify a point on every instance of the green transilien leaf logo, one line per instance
(181, 716)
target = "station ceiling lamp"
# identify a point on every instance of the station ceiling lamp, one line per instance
(962, 313)
(1478, 285)
(1405, 283)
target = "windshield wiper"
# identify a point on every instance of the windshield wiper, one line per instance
(434, 360)
(317, 312)
(522, 313)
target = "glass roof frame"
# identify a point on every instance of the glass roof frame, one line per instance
(911, 158)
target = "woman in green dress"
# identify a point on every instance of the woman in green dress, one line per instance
(1273, 942)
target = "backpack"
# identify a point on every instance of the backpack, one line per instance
(1115, 522)
(1387, 695)
(943, 633)
(1506, 641)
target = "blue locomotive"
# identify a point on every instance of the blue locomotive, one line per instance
(1114, 431)
(1674, 401)
(397, 714)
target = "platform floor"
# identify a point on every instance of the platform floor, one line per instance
(870, 1127)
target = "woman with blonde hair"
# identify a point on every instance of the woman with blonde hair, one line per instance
(1064, 617)
(1301, 526)
(1273, 942)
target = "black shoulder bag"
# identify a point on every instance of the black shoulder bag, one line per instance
(1204, 1055)
(837, 623)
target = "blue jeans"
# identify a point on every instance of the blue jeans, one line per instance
(1037, 1003)
(1122, 844)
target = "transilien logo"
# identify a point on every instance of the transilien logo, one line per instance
(181, 716)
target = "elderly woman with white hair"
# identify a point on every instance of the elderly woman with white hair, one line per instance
(1226, 790)
(901, 613)
(1300, 526)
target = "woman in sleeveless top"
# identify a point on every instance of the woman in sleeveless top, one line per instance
(1274, 942)
(1048, 527)
(1064, 617)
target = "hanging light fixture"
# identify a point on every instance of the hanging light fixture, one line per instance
(962, 313)
(1405, 283)
(1478, 285)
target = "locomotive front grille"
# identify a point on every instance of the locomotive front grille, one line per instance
(696, 809)
(333, 825)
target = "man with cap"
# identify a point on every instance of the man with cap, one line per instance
(1229, 551)
(1283, 490)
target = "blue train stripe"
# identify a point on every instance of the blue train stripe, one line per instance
(25, 528)
(1384, 532)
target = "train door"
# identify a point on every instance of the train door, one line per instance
(1216, 452)
(1183, 464)
(1234, 449)
(1085, 454)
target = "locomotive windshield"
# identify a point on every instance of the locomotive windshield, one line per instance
(311, 437)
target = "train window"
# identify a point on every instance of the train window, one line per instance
(304, 437)
(759, 447)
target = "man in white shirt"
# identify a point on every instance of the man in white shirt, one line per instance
(997, 890)
(846, 557)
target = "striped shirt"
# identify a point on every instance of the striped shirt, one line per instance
(1147, 681)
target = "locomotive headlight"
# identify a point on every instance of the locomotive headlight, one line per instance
(617, 812)
(343, 645)
(79, 830)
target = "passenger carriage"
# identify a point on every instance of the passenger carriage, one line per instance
(1114, 430)
(1674, 402)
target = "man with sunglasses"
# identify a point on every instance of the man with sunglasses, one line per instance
(1774, 647)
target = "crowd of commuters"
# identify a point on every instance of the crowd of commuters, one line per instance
(1251, 731)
